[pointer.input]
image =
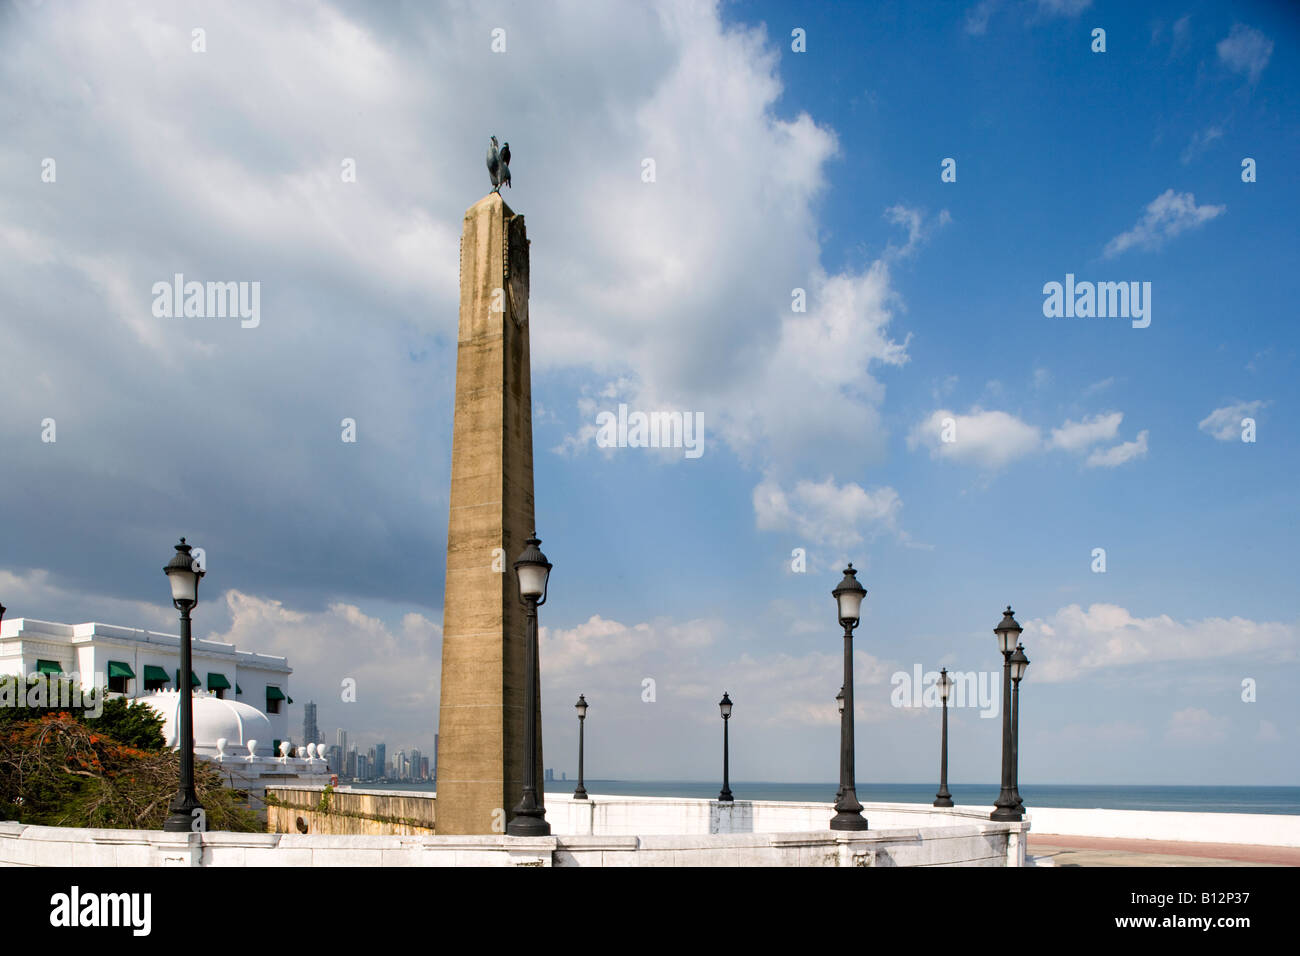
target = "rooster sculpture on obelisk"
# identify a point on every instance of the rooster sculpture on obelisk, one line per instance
(498, 164)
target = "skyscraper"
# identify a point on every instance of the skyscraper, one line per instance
(381, 760)
(310, 732)
(415, 764)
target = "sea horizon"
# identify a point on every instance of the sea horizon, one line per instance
(1164, 797)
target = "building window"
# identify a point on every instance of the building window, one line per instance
(120, 675)
(218, 684)
(274, 697)
(155, 677)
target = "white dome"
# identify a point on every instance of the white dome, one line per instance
(214, 719)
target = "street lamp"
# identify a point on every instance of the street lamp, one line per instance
(533, 571)
(1019, 662)
(848, 601)
(943, 798)
(1008, 632)
(183, 574)
(839, 700)
(724, 706)
(581, 706)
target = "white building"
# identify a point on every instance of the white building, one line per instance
(136, 663)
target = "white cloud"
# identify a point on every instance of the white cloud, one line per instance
(1195, 725)
(1074, 642)
(682, 286)
(1063, 8)
(977, 17)
(1225, 423)
(1200, 141)
(1166, 216)
(990, 439)
(1245, 50)
(600, 642)
(1076, 436)
(38, 594)
(397, 669)
(1120, 454)
(824, 513)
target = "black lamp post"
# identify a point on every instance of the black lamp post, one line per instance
(839, 701)
(943, 798)
(183, 574)
(533, 571)
(1008, 632)
(1019, 662)
(581, 705)
(848, 599)
(724, 706)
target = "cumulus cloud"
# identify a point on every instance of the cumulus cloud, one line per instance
(1225, 423)
(1166, 216)
(1074, 642)
(681, 287)
(397, 668)
(1076, 436)
(987, 438)
(838, 516)
(1119, 454)
(992, 439)
(1245, 50)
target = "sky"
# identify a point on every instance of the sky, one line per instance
(828, 232)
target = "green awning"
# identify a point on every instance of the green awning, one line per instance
(274, 693)
(217, 682)
(194, 679)
(238, 689)
(290, 700)
(153, 674)
(48, 667)
(119, 669)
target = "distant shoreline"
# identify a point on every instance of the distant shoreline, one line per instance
(1187, 798)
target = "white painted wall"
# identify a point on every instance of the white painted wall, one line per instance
(64, 846)
(1260, 829)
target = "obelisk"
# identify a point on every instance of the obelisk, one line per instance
(480, 720)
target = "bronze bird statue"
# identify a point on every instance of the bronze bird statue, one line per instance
(498, 165)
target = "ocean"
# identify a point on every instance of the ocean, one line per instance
(1284, 800)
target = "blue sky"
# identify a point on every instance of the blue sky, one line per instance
(775, 170)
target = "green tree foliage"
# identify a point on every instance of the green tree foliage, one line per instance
(126, 721)
(60, 766)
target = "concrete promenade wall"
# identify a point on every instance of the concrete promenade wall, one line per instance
(1260, 829)
(356, 812)
(602, 831)
(971, 845)
(603, 815)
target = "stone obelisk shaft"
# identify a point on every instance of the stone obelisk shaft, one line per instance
(481, 716)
